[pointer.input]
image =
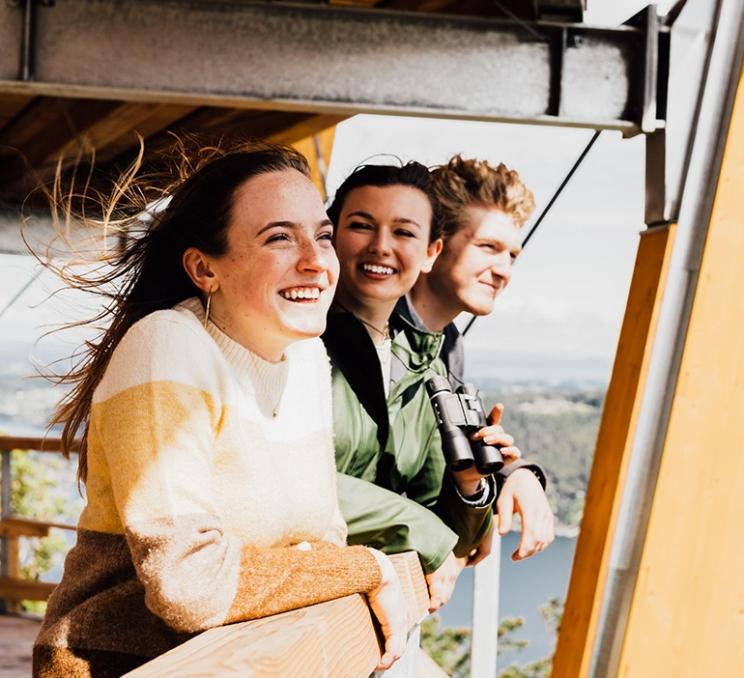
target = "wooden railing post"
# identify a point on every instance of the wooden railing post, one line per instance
(6, 557)
(13, 588)
(5, 491)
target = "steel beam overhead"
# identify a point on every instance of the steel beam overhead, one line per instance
(333, 60)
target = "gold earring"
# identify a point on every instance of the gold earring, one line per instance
(209, 305)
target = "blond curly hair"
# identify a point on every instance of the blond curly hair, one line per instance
(463, 182)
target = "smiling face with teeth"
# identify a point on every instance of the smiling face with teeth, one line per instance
(275, 283)
(382, 242)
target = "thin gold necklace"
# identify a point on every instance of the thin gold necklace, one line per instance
(384, 332)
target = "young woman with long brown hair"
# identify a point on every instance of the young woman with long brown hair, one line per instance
(205, 409)
(394, 489)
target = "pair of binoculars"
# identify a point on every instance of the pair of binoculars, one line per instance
(459, 415)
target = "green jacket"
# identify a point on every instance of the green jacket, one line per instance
(390, 447)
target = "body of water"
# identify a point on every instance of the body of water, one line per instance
(524, 587)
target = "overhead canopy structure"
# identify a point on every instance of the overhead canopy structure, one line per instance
(100, 71)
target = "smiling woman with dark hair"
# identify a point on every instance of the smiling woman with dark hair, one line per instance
(393, 488)
(206, 413)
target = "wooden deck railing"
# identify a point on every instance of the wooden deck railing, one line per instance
(336, 638)
(13, 587)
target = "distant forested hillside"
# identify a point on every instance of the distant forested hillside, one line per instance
(556, 427)
(553, 425)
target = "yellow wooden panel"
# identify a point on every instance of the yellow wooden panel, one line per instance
(614, 444)
(304, 128)
(687, 613)
(317, 149)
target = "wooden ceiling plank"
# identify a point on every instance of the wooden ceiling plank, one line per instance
(116, 133)
(213, 125)
(312, 124)
(274, 126)
(504, 9)
(405, 5)
(354, 3)
(49, 125)
(10, 106)
(210, 125)
(33, 141)
(212, 117)
(31, 122)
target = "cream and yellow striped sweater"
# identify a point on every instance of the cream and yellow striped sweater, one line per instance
(206, 466)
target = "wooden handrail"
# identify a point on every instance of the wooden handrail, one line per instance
(336, 638)
(17, 589)
(20, 526)
(13, 588)
(35, 444)
(330, 639)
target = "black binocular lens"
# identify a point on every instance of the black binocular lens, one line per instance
(459, 415)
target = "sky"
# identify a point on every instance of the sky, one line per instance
(560, 317)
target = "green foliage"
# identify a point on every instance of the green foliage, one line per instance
(506, 627)
(35, 491)
(538, 669)
(40, 490)
(557, 428)
(450, 647)
(552, 614)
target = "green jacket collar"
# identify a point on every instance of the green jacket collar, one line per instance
(352, 351)
(422, 346)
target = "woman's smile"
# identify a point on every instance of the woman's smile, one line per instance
(382, 241)
(377, 271)
(305, 295)
(277, 280)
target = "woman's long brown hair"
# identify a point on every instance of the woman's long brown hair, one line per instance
(146, 223)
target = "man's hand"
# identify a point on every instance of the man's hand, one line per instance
(523, 493)
(468, 481)
(441, 582)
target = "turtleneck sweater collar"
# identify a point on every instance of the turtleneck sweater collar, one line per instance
(269, 379)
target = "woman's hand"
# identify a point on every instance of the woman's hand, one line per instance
(442, 582)
(389, 607)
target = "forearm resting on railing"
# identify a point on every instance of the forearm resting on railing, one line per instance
(330, 639)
